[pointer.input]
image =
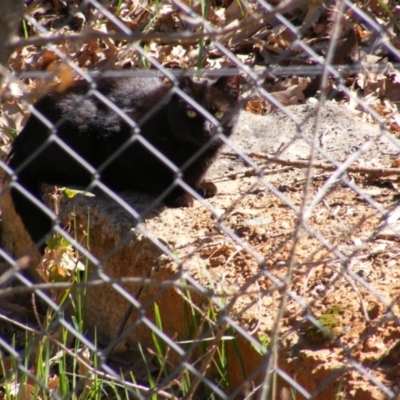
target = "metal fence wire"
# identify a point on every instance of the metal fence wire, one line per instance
(137, 264)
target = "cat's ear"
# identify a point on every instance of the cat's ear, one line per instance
(186, 84)
(229, 84)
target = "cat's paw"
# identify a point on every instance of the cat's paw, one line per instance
(181, 201)
(207, 189)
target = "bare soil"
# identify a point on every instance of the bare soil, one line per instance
(339, 269)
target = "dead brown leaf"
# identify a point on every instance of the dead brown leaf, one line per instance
(292, 95)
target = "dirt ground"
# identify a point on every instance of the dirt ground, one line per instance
(340, 269)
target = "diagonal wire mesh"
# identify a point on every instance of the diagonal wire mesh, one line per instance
(281, 285)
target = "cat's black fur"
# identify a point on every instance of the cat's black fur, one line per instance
(95, 131)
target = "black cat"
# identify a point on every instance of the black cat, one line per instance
(108, 144)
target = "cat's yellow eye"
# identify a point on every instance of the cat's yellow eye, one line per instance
(191, 113)
(219, 114)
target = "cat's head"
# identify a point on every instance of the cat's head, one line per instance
(219, 98)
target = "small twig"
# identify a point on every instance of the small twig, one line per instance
(362, 304)
(119, 335)
(326, 167)
(207, 361)
(250, 172)
(259, 302)
(35, 310)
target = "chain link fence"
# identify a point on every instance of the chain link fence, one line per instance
(134, 277)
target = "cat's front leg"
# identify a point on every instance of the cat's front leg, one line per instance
(178, 199)
(206, 189)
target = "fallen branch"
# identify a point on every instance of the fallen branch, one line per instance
(325, 167)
